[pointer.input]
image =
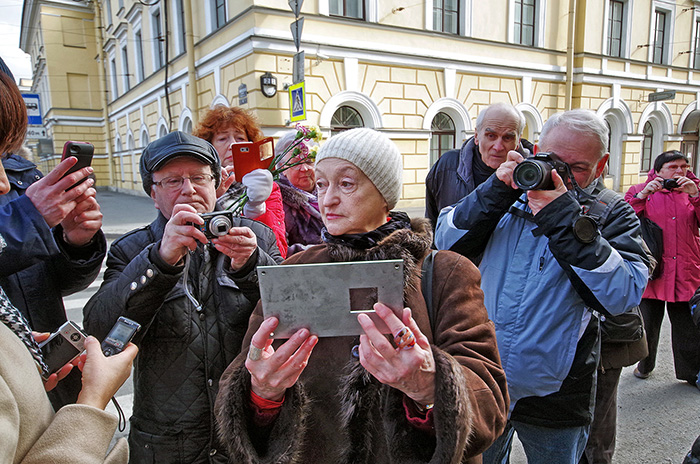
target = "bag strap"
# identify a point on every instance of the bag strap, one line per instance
(427, 287)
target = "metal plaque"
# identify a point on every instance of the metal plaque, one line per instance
(242, 94)
(659, 96)
(327, 298)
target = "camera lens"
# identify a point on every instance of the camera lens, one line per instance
(220, 225)
(532, 175)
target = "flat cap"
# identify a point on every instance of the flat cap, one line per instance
(174, 145)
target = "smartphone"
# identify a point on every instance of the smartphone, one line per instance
(81, 150)
(121, 334)
(249, 156)
(62, 346)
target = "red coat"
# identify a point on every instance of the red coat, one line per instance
(274, 217)
(679, 216)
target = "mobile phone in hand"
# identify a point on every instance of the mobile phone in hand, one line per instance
(121, 334)
(248, 156)
(81, 150)
(62, 346)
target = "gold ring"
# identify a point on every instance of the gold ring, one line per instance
(254, 353)
(404, 339)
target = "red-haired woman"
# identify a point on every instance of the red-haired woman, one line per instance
(223, 126)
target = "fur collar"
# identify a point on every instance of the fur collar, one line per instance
(410, 245)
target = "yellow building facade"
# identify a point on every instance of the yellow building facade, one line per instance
(419, 72)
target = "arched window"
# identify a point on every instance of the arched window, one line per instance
(187, 126)
(344, 118)
(162, 132)
(647, 147)
(442, 136)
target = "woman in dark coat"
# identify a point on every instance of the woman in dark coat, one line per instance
(437, 394)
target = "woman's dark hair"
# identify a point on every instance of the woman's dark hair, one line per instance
(221, 118)
(667, 156)
(13, 115)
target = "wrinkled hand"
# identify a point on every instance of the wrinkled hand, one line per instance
(505, 170)
(239, 244)
(259, 187)
(102, 376)
(652, 186)
(52, 381)
(179, 236)
(538, 199)
(49, 195)
(228, 177)
(686, 185)
(411, 371)
(81, 224)
(275, 371)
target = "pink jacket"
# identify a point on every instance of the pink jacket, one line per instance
(679, 216)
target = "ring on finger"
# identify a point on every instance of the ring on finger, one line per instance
(254, 353)
(404, 339)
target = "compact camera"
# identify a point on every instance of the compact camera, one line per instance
(670, 184)
(62, 346)
(121, 334)
(535, 173)
(216, 224)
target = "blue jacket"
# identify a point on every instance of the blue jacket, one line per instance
(37, 267)
(539, 285)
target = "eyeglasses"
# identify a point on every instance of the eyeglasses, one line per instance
(175, 182)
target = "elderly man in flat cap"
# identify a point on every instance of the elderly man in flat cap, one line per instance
(192, 293)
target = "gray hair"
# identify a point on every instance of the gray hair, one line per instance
(581, 121)
(516, 113)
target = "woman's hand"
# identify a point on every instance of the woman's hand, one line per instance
(409, 369)
(102, 376)
(652, 187)
(272, 372)
(52, 381)
(228, 177)
(686, 185)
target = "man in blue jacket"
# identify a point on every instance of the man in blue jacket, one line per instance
(544, 278)
(459, 171)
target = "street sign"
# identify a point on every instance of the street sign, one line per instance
(297, 102)
(34, 132)
(298, 68)
(295, 5)
(242, 94)
(659, 96)
(296, 28)
(31, 100)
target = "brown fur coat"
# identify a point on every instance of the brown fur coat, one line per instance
(337, 412)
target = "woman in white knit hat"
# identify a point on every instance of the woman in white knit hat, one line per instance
(436, 394)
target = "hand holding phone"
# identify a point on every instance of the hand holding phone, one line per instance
(249, 156)
(62, 347)
(81, 150)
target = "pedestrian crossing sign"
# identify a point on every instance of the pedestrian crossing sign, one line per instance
(297, 102)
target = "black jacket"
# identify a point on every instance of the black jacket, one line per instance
(183, 350)
(37, 267)
(444, 186)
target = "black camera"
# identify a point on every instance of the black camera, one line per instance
(216, 224)
(121, 334)
(670, 184)
(535, 173)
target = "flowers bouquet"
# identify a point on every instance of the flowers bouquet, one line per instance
(296, 153)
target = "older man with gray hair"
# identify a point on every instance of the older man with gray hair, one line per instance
(548, 268)
(458, 172)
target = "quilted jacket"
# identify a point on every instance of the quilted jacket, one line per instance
(183, 349)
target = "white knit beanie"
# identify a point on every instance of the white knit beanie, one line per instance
(374, 154)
